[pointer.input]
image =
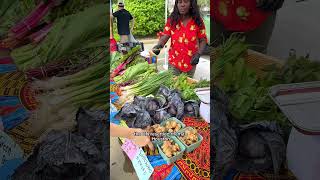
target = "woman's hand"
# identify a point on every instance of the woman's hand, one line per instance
(195, 59)
(156, 49)
(139, 138)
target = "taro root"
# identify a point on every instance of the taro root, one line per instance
(172, 126)
(170, 148)
(190, 137)
(191, 108)
(161, 115)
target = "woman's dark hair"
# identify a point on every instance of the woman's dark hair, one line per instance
(194, 12)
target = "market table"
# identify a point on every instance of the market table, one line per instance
(193, 165)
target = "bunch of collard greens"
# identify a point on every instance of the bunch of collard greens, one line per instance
(249, 99)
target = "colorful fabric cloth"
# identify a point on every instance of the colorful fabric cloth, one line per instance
(184, 43)
(238, 16)
(196, 164)
(162, 171)
(12, 111)
(17, 99)
(8, 169)
(113, 113)
(7, 65)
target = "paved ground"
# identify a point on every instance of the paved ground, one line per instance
(297, 27)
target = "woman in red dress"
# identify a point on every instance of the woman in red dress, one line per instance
(254, 18)
(187, 31)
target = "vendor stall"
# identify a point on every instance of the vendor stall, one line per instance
(167, 108)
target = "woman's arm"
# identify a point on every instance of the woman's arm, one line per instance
(163, 40)
(119, 131)
(129, 133)
(202, 45)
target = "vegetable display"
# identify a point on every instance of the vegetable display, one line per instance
(232, 49)
(172, 126)
(170, 148)
(165, 104)
(148, 86)
(190, 137)
(249, 99)
(134, 71)
(67, 35)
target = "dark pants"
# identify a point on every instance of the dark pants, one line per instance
(259, 37)
(177, 72)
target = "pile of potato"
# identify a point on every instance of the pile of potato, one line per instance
(170, 148)
(190, 137)
(158, 129)
(172, 126)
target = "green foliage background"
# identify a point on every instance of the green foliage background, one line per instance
(148, 16)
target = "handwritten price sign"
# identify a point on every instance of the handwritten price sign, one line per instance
(142, 165)
(139, 160)
(130, 148)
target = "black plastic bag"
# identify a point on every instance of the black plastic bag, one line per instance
(223, 136)
(143, 119)
(261, 147)
(90, 126)
(78, 155)
(152, 105)
(160, 116)
(164, 91)
(175, 105)
(140, 101)
(192, 108)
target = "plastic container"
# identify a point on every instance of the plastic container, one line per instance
(300, 103)
(204, 96)
(194, 145)
(174, 158)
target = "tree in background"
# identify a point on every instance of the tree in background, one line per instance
(148, 16)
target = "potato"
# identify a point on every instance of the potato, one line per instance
(170, 148)
(173, 124)
(168, 153)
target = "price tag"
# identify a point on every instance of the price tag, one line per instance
(130, 148)
(142, 165)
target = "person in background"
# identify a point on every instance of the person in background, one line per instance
(123, 22)
(187, 31)
(254, 18)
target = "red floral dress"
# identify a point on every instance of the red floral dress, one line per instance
(184, 43)
(238, 15)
